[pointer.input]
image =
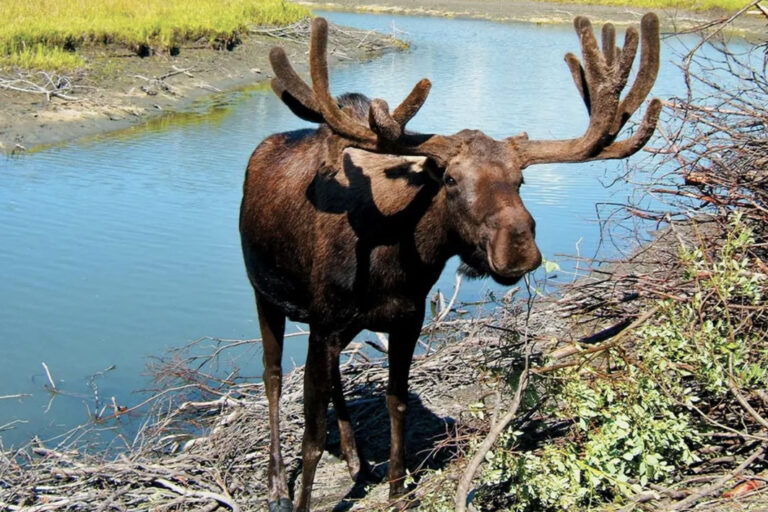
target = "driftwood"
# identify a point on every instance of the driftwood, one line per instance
(337, 36)
(48, 84)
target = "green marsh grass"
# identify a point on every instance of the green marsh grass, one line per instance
(46, 34)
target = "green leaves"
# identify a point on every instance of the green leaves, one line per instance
(630, 421)
(631, 425)
(624, 431)
(550, 266)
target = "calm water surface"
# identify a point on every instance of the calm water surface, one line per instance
(116, 249)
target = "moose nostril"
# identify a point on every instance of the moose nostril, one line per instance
(513, 252)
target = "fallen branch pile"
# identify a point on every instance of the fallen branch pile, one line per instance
(41, 82)
(338, 36)
(204, 445)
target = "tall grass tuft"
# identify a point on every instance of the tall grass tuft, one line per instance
(48, 33)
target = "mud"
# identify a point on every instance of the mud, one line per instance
(121, 89)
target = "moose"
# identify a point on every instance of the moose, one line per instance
(347, 227)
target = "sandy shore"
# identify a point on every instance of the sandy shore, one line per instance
(751, 24)
(122, 90)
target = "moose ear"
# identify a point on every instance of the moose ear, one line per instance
(433, 169)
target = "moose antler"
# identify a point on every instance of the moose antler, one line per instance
(600, 81)
(385, 131)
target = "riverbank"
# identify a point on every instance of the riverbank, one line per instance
(121, 89)
(751, 25)
(210, 452)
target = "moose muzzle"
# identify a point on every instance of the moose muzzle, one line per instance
(513, 252)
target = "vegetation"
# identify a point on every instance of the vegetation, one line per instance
(633, 419)
(48, 34)
(675, 394)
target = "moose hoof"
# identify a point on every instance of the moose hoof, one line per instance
(405, 504)
(281, 505)
(366, 475)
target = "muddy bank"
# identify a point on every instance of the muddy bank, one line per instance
(752, 24)
(209, 451)
(170, 467)
(121, 89)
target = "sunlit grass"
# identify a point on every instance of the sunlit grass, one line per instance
(46, 34)
(40, 57)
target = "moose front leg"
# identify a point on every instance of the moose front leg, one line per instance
(401, 345)
(322, 358)
(272, 324)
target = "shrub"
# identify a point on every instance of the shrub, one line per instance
(634, 417)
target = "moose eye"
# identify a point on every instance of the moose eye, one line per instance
(449, 180)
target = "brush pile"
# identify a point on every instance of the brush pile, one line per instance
(204, 444)
(655, 398)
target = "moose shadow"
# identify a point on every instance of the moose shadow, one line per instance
(371, 227)
(425, 433)
(353, 197)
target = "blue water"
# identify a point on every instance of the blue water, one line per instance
(115, 249)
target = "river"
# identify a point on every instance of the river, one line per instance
(117, 248)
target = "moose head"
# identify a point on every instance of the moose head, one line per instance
(482, 176)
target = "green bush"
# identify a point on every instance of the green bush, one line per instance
(632, 418)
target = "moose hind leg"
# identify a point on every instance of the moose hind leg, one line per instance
(356, 463)
(401, 346)
(272, 323)
(317, 393)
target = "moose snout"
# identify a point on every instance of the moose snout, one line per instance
(513, 252)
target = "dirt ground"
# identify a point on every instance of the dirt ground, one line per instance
(121, 89)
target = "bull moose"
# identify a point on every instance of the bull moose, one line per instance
(347, 227)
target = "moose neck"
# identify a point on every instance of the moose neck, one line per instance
(400, 216)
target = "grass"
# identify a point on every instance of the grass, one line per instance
(697, 5)
(47, 34)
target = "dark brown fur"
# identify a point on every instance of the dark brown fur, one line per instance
(341, 235)
(360, 249)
